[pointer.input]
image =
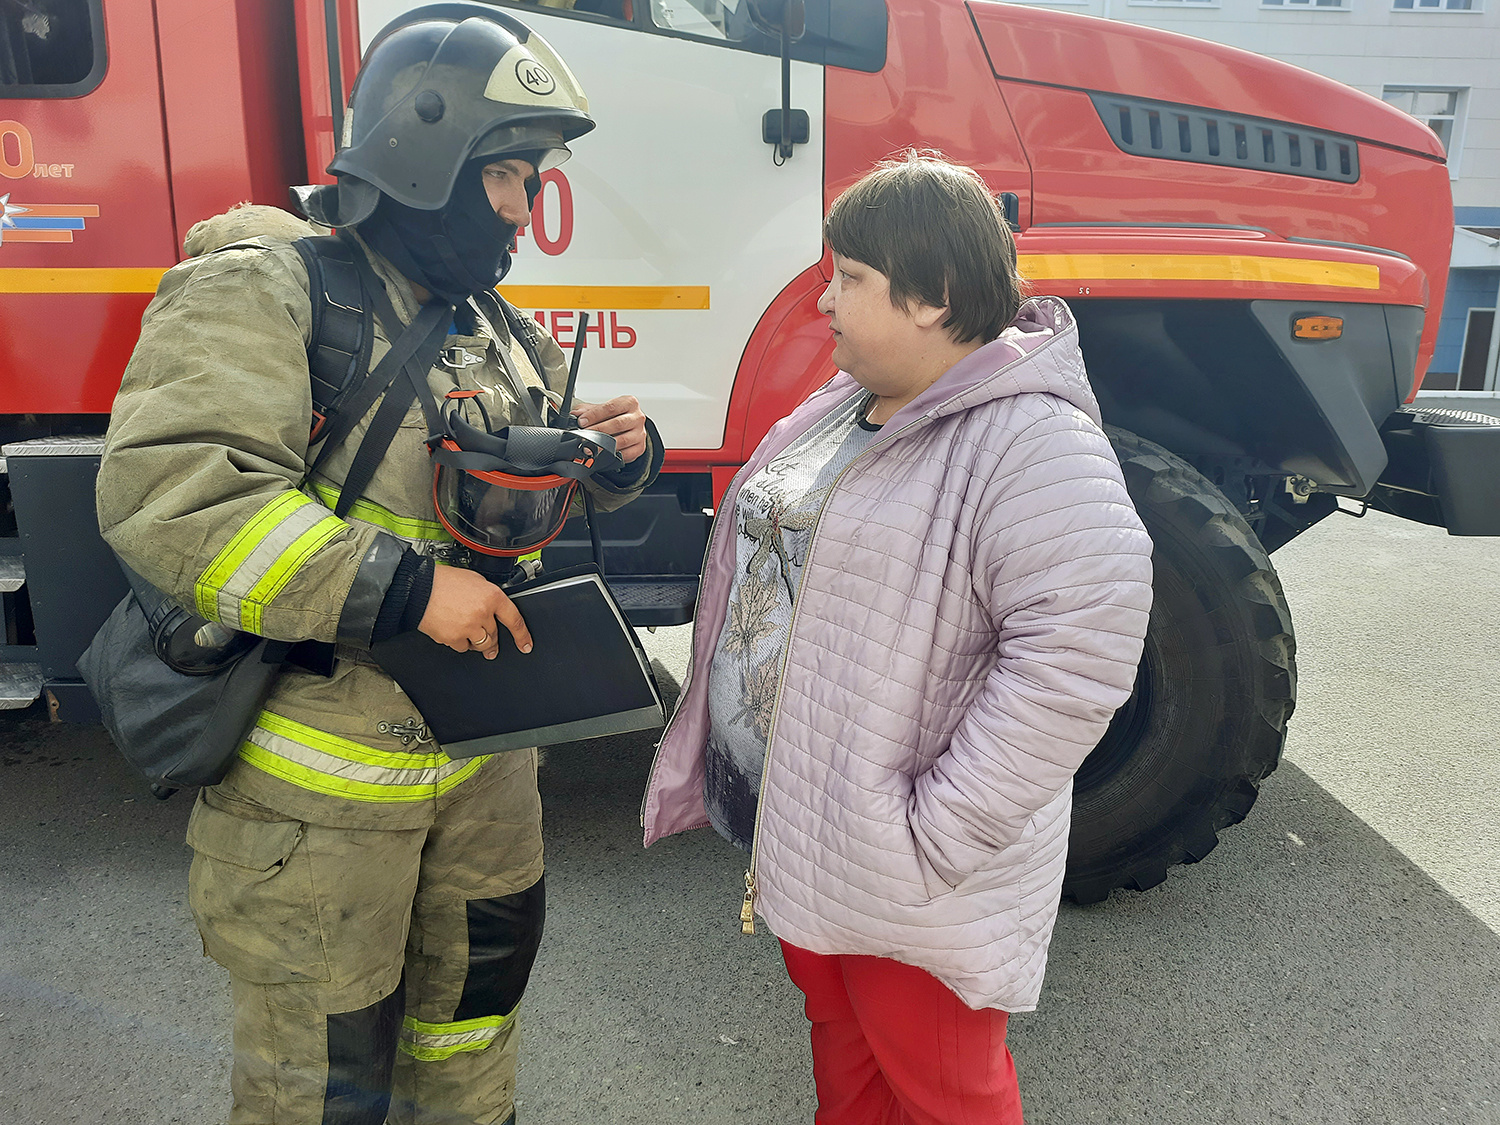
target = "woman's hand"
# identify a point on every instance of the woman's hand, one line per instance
(621, 418)
(466, 612)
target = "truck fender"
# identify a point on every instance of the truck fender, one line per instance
(788, 356)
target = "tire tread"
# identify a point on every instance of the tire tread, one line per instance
(1163, 480)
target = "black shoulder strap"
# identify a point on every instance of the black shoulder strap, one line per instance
(347, 296)
(418, 348)
(414, 349)
(338, 354)
(395, 331)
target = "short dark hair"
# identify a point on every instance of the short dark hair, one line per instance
(933, 228)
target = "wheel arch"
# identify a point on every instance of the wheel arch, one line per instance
(1223, 383)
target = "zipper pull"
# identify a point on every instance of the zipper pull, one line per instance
(747, 908)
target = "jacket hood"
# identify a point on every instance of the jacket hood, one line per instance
(1037, 352)
(1044, 336)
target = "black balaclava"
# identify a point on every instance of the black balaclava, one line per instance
(459, 249)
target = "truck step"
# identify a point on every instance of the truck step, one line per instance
(656, 600)
(20, 685)
(12, 574)
(1442, 416)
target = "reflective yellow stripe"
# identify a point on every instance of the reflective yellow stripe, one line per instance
(408, 527)
(206, 589)
(252, 606)
(431, 1042)
(325, 763)
(254, 551)
(1199, 267)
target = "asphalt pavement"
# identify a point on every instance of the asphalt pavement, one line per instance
(1335, 961)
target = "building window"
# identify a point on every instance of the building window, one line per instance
(1337, 5)
(1174, 3)
(1438, 5)
(1440, 108)
(1476, 370)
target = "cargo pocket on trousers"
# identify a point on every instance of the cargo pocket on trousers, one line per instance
(251, 893)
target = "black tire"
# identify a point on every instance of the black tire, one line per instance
(1216, 685)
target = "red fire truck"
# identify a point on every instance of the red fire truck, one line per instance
(1255, 255)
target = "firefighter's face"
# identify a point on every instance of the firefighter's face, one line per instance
(879, 343)
(505, 184)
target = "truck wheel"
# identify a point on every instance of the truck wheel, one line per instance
(1216, 685)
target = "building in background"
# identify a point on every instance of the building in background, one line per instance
(1438, 60)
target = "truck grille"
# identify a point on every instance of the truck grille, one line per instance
(1172, 132)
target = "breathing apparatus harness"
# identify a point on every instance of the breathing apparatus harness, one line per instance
(503, 493)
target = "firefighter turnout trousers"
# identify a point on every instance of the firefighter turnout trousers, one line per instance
(376, 972)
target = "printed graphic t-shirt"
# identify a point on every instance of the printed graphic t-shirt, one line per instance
(773, 517)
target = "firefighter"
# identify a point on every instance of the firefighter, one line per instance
(378, 906)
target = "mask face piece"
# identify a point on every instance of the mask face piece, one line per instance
(460, 249)
(499, 513)
(508, 493)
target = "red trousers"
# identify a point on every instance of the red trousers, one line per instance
(892, 1045)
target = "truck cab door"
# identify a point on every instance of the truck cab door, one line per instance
(85, 209)
(674, 226)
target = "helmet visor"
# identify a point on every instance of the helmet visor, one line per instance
(538, 141)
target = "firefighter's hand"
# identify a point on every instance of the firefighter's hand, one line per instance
(468, 613)
(621, 418)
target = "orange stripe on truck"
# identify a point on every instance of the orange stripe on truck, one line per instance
(61, 211)
(8, 236)
(1264, 270)
(606, 296)
(523, 296)
(77, 280)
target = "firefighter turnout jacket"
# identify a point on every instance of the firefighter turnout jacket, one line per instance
(203, 490)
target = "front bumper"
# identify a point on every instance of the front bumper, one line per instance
(1444, 470)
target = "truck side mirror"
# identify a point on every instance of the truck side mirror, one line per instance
(775, 16)
(786, 127)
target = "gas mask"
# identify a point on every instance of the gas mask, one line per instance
(508, 492)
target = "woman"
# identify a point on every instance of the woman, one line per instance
(924, 597)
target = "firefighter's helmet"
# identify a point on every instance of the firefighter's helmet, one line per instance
(442, 85)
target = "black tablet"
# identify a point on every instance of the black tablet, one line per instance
(586, 675)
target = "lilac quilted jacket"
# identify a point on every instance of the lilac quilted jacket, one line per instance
(971, 614)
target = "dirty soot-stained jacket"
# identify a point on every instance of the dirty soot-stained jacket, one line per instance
(202, 492)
